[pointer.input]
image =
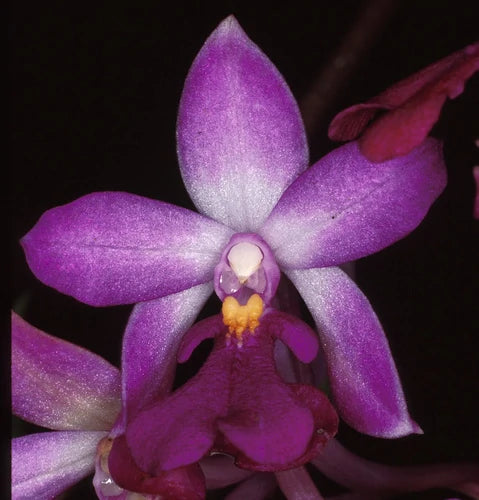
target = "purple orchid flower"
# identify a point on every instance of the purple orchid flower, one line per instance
(77, 394)
(243, 157)
(413, 106)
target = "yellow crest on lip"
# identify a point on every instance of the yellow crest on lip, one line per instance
(239, 318)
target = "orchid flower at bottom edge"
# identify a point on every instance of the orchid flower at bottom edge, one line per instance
(53, 386)
(63, 387)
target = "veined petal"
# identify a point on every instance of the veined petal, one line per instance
(59, 385)
(364, 380)
(345, 207)
(241, 140)
(45, 464)
(150, 344)
(118, 248)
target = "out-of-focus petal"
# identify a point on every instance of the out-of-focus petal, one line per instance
(296, 484)
(241, 140)
(345, 207)
(117, 248)
(59, 385)
(45, 464)
(150, 344)
(354, 472)
(364, 380)
(258, 487)
(475, 173)
(220, 471)
(414, 105)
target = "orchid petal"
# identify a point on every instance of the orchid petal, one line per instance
(241, 140)
(354, 472)
(296, 484)
(258, 487)
(364, 380)
(59, 385)
(414, 106)
(151, 340)
(345, 207)
(45, 464)
(117, 248)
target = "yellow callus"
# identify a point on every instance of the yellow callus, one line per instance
(240, 318)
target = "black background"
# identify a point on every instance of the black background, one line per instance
(94, 96)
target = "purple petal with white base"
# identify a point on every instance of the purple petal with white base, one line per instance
(59, 385)
(345, 207)
(151, 340)
(45, 464)
(364, 379)
(117, 248)
(241, 140)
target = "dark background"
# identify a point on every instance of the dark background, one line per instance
(94, 96)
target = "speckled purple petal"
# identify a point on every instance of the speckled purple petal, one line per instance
(45, 464)
(150, 344)
(118, 248)
(345, 207)
(241, 140)
(365, 384)
(59, 385)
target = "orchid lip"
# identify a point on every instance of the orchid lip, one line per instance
(247, 266)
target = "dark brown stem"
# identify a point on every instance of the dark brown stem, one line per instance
(333, 77)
